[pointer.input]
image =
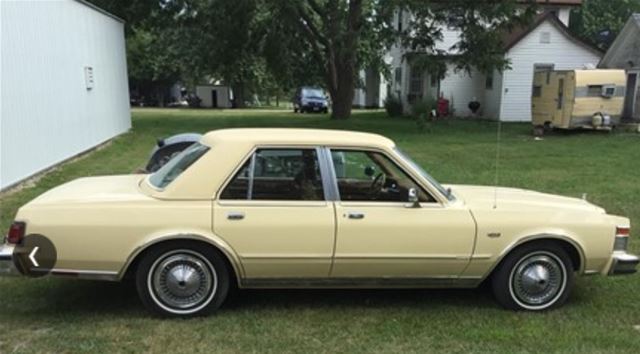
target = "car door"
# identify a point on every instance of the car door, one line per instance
(275, 215)
(380, 235)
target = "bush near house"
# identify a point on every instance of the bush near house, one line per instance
(603, 314)
(393, 106)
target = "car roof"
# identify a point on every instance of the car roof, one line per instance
(293, 136)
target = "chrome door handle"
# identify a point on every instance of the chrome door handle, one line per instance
(235, 215)
(356, 215)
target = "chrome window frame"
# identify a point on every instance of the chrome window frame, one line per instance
(328, 191)
(415, 178)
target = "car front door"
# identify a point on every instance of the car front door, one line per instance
(381, 235)
(275, 215)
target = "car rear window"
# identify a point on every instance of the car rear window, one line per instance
(174, 168)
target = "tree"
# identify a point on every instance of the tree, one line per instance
(347, 36)
(342, 38)
(154, 59)
(600, 21)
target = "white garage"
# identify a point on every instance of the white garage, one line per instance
(64, 83)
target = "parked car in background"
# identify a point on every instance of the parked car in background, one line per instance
(310, 99)
(283, 208)
(167, 148)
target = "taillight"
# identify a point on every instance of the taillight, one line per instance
(622, 231)
(622, 238)
(16, 232)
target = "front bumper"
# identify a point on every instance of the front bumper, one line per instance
(7, 267)
(623, 263)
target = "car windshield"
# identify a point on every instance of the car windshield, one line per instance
(426, 176)
(172, 169)
(313, 93)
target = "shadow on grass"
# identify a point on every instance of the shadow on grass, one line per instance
(53, 299)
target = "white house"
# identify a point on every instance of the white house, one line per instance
(64, 83)
(624, 53)
(544, 45)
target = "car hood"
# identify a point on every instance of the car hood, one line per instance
(483, 197)
(93, 189)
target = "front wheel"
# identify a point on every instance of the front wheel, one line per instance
(182, 279)
(535, 277)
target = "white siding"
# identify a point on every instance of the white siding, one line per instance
(461, 88)
(564, 53)
(493, 98)
(564, 15)
(47, 113)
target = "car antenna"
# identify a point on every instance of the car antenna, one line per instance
(497, 175)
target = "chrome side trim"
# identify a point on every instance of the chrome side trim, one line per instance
(86, 274)
(363, 282)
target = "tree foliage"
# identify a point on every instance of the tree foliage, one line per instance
(276, 45)
(600, 21)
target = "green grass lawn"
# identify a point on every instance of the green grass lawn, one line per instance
(602, 315)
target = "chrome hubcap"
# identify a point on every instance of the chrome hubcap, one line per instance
(182, 280)
(538, 279)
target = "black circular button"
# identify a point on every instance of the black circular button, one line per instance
(35, 256)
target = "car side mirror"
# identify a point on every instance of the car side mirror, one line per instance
(412, 197)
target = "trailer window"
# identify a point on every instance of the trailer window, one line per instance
(594, 90)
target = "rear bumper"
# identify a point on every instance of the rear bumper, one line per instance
(623, 263)
(7, 267)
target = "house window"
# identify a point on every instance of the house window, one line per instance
(488, 82)
(537, 91)
(398, 75)
(545, 37)
(434, 80)
(415, 84)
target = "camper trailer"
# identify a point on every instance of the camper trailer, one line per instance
(577, 99)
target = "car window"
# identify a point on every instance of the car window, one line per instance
(277, 174)
(174, 167)
(313, 93)
(371, 176)
(447, 193)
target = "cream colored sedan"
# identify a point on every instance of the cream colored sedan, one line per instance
(282, 208)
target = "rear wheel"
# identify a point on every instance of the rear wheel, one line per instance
(535, 277)
(182, 279)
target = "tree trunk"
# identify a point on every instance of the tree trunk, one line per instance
(238, 95)
(342, 97)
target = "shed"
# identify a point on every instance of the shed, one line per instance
(214, 96)
(64, 84)
(624, 53)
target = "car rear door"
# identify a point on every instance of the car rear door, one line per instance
(274, 213)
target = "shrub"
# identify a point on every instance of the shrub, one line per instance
(423, 112)
(393, 106)
(425, 106)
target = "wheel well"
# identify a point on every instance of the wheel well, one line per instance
(567, 246)
(130, 272)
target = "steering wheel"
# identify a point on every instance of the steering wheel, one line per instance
(377, 184)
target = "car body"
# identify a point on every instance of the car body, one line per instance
(281, 208)
(310, 99)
